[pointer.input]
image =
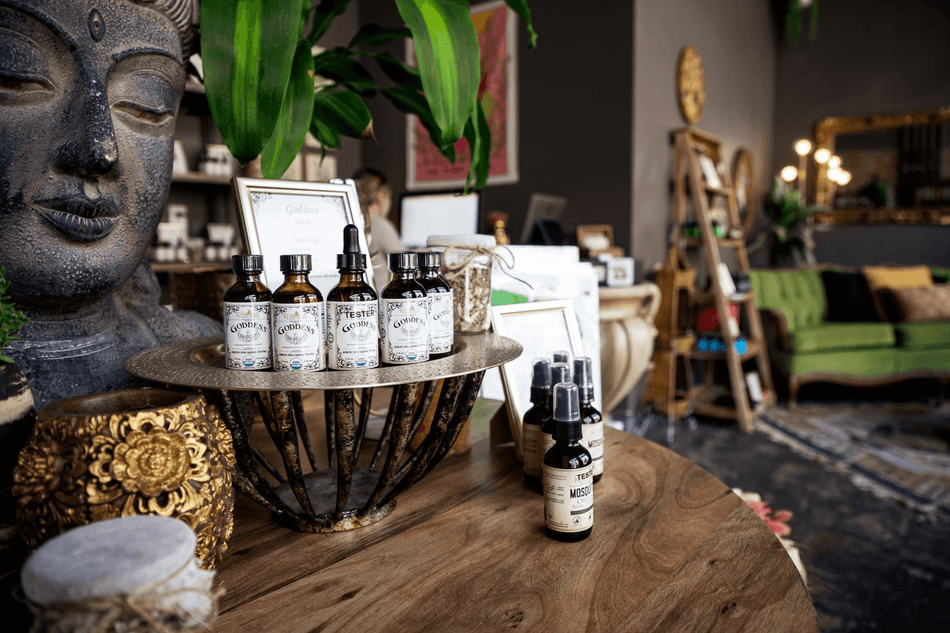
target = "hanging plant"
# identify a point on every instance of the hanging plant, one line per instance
(259, 76)
(793, 21)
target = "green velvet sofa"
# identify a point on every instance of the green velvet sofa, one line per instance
(809, 342)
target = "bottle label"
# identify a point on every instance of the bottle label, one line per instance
(593, 441)
(298, 336)
(441, 323)
(404, 328)
(247, 338)
(568, 498)
(530, 439)
(352, 337)
(547, 441)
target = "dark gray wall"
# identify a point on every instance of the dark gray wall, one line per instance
(869, 57)
(575, 103)
(737, 44)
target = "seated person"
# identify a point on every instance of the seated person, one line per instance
(375, 201)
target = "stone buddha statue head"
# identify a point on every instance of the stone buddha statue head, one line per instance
(89, 94)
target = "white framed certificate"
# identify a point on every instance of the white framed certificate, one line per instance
(289, 218)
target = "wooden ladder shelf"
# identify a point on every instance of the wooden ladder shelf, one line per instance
(689, 143)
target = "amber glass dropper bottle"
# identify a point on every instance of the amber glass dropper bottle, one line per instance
(352, 311)
(441, 305)
(247, 327)
(404, 314)
(298, 319)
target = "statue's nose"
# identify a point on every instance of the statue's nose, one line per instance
(91, 148)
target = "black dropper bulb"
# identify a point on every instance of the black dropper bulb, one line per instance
(351, 257)
(567, 412)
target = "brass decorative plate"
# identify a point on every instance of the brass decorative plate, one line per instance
(690, 85)
(200, 363)
(743, 179)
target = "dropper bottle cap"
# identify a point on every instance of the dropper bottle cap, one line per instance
(567, 412)
(245, 264)
(430, 260)
(295, 263)
(541, 380)
(403, 262)
(351, 257)
(583, 378)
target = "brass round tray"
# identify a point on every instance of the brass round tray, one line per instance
(341, 495)
(200, 363)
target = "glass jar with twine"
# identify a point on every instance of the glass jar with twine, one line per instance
(467, 265)
(126, 575)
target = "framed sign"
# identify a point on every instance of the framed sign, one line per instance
(542, 328)
(426, 167)
(287, 218)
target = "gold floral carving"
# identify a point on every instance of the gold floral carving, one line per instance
(174, 461)
(690, 85)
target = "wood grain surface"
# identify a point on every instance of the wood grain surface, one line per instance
(672, 549)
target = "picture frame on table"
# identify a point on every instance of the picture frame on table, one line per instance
(280, 217)
(542, 328)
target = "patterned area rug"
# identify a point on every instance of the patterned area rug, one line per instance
(897, 450)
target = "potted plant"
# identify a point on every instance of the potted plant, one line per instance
(790, 237)
(259, 75)
(14, 390)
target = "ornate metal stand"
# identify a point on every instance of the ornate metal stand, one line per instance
(340, 496)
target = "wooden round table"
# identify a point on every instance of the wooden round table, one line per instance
(672, 549)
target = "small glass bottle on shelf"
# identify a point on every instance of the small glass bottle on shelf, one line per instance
(560, 372)
(441, 304)
(404, 314)
(298, 319)
(534, 418)
(592, 421)
(568, 473)
(247, 326)
(352, 311)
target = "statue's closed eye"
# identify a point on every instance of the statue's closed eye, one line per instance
(142, 113)
(20, 85)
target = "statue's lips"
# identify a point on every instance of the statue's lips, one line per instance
(80, 218)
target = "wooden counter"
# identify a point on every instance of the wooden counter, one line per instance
(672, 549)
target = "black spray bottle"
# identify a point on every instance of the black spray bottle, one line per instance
(592, 422)
(560, 372)
(568, 472)
(533, 420)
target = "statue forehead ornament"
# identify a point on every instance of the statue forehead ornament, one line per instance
(97, 25)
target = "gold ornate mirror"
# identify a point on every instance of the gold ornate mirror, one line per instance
(899, 166)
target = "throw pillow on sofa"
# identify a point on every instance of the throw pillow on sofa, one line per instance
(882, 278)
(926, 303)
(848, 296)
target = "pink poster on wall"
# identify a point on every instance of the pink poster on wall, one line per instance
(427, 168)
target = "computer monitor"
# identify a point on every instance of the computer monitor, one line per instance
(446, 213)
(545, 209)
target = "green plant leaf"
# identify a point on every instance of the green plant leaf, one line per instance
(521, 8)
(448, 55)
(344, 112)
(376, 35)
(478, 135)
(339, 65)
(400, 72)
(295, 115)
(324, 132)
(322, 17)
(248, 54)
(412, 102)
